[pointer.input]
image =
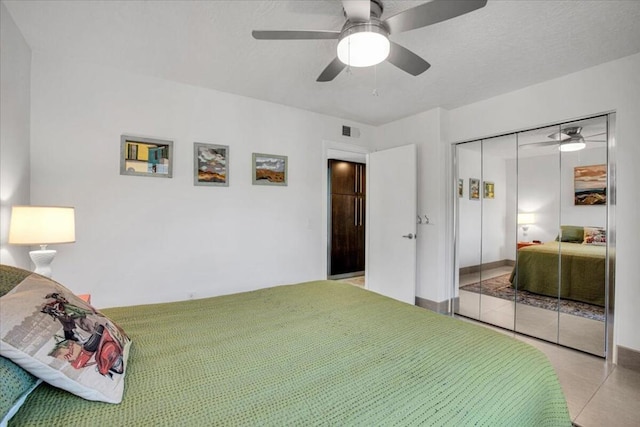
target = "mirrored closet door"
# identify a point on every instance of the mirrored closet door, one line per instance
(486, 244)
(533, 221)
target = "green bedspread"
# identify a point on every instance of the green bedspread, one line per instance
(319, 353)
(582, 271)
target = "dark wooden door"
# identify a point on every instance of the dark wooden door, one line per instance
(343, 177)
(348, 203)
(343, 229)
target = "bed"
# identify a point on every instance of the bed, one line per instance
(582, 271)
(316, 353)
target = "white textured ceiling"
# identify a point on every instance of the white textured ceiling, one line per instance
(502, 47)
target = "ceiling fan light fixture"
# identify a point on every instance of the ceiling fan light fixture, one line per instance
(573, 145)
(363, 45)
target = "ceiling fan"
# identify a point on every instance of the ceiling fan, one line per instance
(570, 139)
(364, 38)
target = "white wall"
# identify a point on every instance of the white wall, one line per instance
(142, 239)
(613, 86)
(15, 77)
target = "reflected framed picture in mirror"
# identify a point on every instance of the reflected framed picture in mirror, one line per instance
(590, 185)
(489, 190)
(146, 156)
(474, 189)
(460, 187)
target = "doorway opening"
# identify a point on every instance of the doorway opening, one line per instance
(345, 210)
(347, 218)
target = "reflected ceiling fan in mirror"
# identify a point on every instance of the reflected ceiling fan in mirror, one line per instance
(569, 139)
(364, 38)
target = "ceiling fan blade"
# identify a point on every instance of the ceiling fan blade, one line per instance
(595, 134)
(406, 60)
(431, 13)
(562, 136)
(332, 70)
(357, 10)
(538, 144)
(295, 35)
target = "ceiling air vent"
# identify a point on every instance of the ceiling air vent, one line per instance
(346, 130)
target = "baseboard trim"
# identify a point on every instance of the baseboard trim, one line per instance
(628, 358)
(345, 275)
(441, 307)
(489, 265)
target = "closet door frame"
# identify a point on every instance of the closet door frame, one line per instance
(611, 231)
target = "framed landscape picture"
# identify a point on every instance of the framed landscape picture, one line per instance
(590, 185)
(474, 189)
(489, 190)
(269, 169)
(460, 187)
(146, 157)
(210, 164)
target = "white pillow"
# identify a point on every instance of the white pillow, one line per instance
(595, 236)
(54, 335)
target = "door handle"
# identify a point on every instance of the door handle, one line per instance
(408, 236)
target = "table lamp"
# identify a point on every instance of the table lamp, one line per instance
(42, 225)
(526, 219)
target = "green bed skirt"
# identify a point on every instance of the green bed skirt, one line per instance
(319, 353)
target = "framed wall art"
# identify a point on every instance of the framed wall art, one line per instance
(590, 185)
(146, 156)
(474, 189)
(269, 169)
(460, 187)
(489, 190)
(210, 164)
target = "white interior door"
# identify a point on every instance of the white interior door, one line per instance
(391, 223)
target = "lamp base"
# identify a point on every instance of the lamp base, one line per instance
(43, 259)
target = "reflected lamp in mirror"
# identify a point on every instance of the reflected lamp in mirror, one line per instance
(42, 225)
(525, 220)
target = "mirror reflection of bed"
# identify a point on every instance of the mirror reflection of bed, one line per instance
(580, 270)
(533, 255)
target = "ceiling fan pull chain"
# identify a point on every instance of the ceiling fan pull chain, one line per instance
(375, 81)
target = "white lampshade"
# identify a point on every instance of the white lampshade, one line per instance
(526, 218)
(364, 45)
(42, 225)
